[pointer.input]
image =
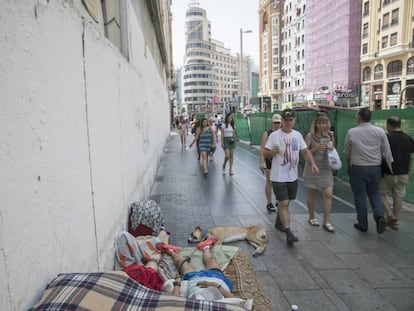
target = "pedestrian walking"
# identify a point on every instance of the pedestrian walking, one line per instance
(319, 140)
(206, 141)
(213, 131)
(182, 131)
(217, 123)
(395, 182)
(194, 127)
(265, 164)
(228, 141)
(365, 147)
(283, 147)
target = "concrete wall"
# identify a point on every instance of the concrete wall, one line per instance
(82, 131)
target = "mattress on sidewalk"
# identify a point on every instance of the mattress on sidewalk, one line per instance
(115, 291)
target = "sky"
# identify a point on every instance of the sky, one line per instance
(226, 18)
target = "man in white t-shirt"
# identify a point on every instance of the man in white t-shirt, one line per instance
(283, 146)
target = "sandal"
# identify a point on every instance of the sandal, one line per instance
(394, 226)
(328, 227)
(391, 220)
(313, 222)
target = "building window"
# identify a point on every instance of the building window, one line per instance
(410, 65)
(378, 72)
(366, 8)
(393, 39)
(365, 30)
(412, 39)
(384, 42)
(394, 69)
(365, 48)
(394, 16)
(385, 20)
(275, 84)
(366, 74)
(378, 88)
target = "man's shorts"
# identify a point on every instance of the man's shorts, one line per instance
(395, 184)
(285, 190)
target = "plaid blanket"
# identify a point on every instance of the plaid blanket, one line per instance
(114, 291)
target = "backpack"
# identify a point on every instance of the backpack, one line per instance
(145, 218)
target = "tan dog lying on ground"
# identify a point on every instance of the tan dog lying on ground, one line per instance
(255, 235)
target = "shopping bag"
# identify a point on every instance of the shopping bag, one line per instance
(334, 159)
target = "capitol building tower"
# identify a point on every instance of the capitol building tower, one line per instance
(210, 73)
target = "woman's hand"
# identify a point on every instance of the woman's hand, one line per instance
(322, 147)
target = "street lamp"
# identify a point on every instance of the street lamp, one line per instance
(331, 87)
(241, 64)
(213, 86)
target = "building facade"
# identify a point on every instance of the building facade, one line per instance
(332, 40)
(293, 46)
(387, 53)
(211, 74)
(271, 63)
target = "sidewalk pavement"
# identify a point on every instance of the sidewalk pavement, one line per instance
(347, 270)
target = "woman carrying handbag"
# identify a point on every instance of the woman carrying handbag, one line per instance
(320, 140)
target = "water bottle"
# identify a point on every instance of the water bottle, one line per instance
(295, 308)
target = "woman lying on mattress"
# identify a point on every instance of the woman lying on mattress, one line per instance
(209, 284)
(140, 263)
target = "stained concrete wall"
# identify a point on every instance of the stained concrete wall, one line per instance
(82, 131)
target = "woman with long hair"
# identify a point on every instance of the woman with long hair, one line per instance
(319, 140)
(206, 141)
(228, 141)
(182, 131)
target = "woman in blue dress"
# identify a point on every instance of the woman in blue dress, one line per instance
(206, 141)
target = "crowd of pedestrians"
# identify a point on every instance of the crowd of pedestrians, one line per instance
(378, 164)
(207, 133)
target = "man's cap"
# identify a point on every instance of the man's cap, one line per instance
(288, 114)
(276, 118)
